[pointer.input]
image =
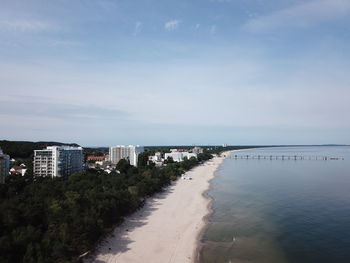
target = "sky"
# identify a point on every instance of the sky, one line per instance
(147, 72)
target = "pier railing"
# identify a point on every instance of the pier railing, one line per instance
(286, 157)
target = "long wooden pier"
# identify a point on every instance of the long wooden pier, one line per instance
(286, 157)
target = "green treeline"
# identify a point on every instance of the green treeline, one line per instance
(56, 220)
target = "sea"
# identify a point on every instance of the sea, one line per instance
(294, 209)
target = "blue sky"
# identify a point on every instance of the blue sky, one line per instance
(102, 72)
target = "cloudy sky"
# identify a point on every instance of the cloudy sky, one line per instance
(157, 72)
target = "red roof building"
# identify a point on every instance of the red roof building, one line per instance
(96, 158)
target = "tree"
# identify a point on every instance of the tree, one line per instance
(169, 160)
(123, 166)
(143, 159)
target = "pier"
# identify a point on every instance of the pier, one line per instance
(286, 157)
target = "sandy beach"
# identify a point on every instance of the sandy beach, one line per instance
(167, 228)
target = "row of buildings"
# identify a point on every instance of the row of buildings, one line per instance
(177, 155)
(62, 161)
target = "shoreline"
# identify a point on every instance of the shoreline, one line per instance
(210, 210)
(169, 227)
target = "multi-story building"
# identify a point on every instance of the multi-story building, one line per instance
(156, 159)
(4, 166)
(197, 150)
(131, 153)
(178, 156)
(58, 161)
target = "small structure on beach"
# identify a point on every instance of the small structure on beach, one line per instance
(186, 177)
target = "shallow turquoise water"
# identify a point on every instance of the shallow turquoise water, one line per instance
(281, 210)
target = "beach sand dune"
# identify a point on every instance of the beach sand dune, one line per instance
(167, 228)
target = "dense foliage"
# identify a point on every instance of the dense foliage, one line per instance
(56, 220)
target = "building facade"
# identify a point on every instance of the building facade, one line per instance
(96, 158)
(178, 156)
(156, 159)
(4, 166)
(197, 150)
(131, 153)
(58, 161)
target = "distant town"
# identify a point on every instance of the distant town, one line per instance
(63, 160)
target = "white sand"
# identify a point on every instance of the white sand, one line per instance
(167, 228)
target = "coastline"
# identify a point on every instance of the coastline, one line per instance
(169, 227)
(209, 211)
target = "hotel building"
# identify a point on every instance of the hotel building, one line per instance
(179, 155)
(131, 153)
(58, 161)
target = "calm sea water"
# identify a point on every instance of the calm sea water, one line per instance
(278, 211)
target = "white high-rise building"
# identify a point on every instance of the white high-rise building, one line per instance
(131, 153)
(58, 161)
(4, 166)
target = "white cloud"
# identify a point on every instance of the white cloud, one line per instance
(137, 28)
(24, 25)
(172, 24)
(303, 96)
(301, 15)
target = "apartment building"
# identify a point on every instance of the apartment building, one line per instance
(131, 153)
(179, 155)
(58, 161)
